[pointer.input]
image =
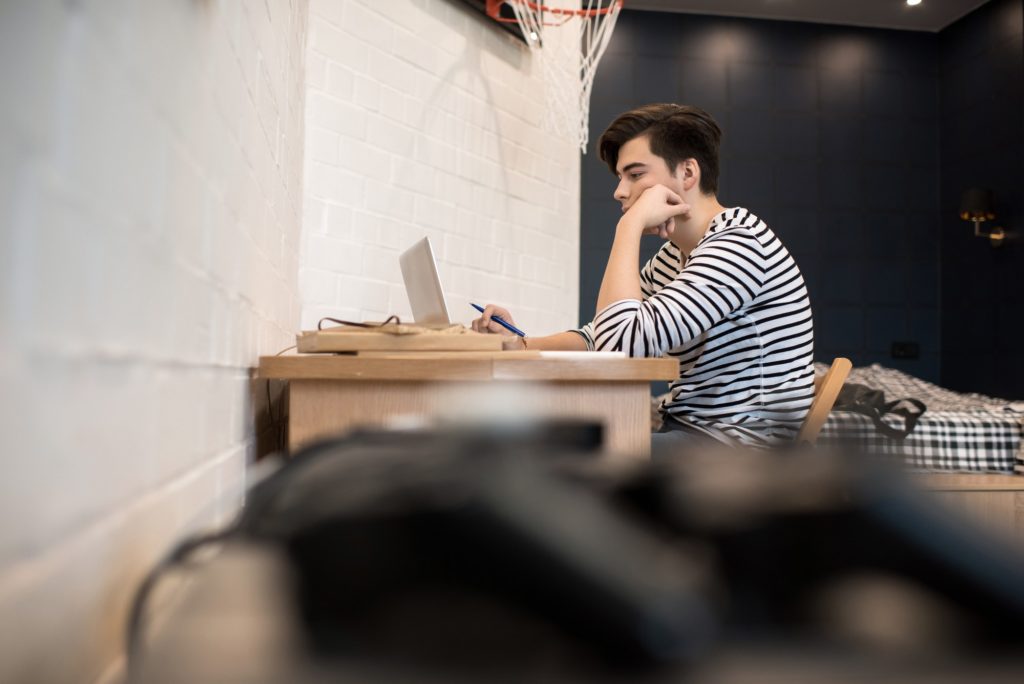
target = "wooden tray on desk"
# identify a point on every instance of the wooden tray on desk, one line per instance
(315, 341)
(470, 354)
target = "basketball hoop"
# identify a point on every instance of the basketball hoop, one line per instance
(570, 67)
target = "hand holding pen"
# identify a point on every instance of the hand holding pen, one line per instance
(495, 314)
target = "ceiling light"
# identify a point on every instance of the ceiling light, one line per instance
(913, 2)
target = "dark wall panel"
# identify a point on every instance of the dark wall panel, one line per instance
(831, 134)
(982, 143)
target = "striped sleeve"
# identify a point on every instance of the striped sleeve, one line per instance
(587, 333)
(660, 264)
(722, 275)
(661, 268)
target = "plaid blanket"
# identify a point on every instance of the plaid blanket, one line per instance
(961, 432)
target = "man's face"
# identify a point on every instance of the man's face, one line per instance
(638, 169)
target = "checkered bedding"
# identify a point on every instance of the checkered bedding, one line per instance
(959, 432)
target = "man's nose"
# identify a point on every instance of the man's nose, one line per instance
(621, 193)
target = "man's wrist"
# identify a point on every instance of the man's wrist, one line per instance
(629, 225)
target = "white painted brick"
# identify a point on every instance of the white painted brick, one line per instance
(466, 222)
(318, 286)
(466, 160)
(408, 234)
(329, 10)
(413, 112)
(316, 71)
(162, 150)
(44, 31)
(331, 254)
(449, 187)
(486, 232)
(364, 293)
(439, 123)
(340, 81)
(246, 52)
(47, 594)
(454, 39)
(398, 302)
(337, 45)
(391, 233)
(406, 15)
(392, 103)
(267, 112)
(336, 185)
(369, 26)
(338, 221)
(365, 159)
(509, 264)
(552, 274)
(455, 249)
(314, 216)
(395, 72)
(434, 152)
(391, 136)
(322, 145)
(430, 212)
(381, 264)
(462, 284)
(379, 230)
(384, 198)
(366, 93)
(419, 51)
(484, 256)
(335, 115)
(412, 175)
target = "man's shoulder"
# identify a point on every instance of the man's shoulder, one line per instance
(738, 220)
(738, 226)
(752, 233)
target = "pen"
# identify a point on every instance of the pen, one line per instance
(500, 321)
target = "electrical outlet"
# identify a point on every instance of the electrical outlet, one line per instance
(905, 350)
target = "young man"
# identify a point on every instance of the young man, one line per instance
(723, 295)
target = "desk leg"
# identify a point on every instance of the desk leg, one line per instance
(321, 408)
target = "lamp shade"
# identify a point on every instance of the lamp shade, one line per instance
(977, 203)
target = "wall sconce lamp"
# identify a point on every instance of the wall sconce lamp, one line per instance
(976, 206)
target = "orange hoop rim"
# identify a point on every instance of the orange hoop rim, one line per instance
(494, 11)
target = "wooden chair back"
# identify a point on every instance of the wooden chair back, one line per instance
(825, 392)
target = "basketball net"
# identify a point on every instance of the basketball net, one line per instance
(569, 63)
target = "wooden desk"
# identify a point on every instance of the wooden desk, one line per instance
(331, 393)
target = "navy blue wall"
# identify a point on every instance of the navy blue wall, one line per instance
(983, 145)
(831, 134)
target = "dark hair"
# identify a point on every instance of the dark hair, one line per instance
(675, 133)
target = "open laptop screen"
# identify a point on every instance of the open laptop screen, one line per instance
(422, 285)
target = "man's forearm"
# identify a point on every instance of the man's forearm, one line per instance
(563, 341)
(621, 276)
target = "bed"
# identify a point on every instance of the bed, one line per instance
(966, 449)
(967, 433)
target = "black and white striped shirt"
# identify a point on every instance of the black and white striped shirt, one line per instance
(737, 316)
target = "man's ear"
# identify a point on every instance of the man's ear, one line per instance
(689, 171)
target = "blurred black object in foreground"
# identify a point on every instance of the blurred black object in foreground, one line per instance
(477, 555)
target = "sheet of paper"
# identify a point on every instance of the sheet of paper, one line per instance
(581, 355)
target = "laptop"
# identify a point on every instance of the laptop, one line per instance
(422, 285)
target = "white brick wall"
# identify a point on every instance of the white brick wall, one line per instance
(150, 214)
(422, 120)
